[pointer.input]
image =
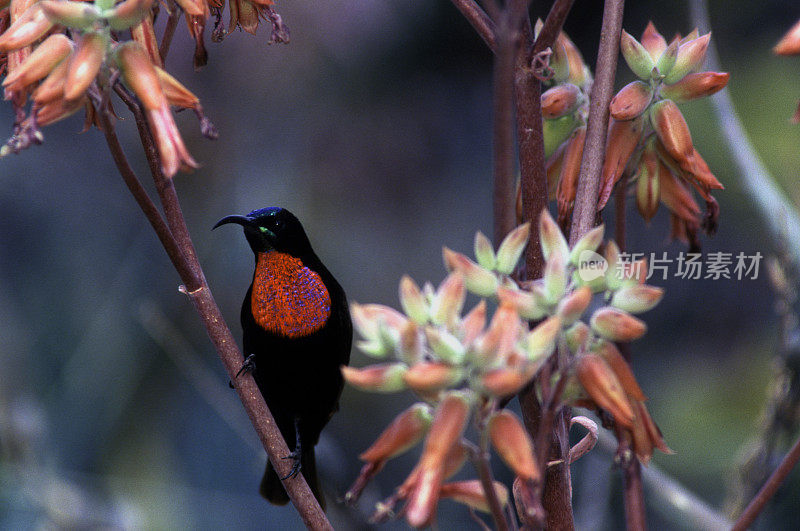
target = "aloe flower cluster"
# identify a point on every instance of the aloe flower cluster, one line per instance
(461, 365)
(648, 136)
(790, 45)
(63, 56)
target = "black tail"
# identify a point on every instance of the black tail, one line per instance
(272, 486)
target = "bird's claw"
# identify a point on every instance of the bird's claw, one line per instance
(295, 465)
(249, 365)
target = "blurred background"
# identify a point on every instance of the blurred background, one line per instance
(373, 126)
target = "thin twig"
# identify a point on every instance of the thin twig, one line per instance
(169, 31)
(633, 494)
(583, 217)
(480, 460)
(479, 20)
(769, 489)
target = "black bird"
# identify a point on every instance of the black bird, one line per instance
(297, 334)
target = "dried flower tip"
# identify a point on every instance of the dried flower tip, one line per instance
(413, 301)
(617, 325)
(40, 63)
(604, 388)
(513, 445)
(26, 29)
(171, 149)
(471, 494)
(623, 137)
(637, 298)
(631, 101)
(541, 341)
(553, 241)
(484, 252)
(76, 15)
(405, 431)
(639, 60)
(691, 55)
(511, 248)
(477, 279)
(609, 352)
(449, 300)
(84, 65)
(698, 85)
(384, 378)
(789, 43)
(560, 100)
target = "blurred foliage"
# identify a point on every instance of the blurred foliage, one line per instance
(373, 126)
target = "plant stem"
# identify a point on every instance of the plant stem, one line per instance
(635, 515)
(480, 460)
(169, 30)
(479, 20)
(769, 489)
(583, 217)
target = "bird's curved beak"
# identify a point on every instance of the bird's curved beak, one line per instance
(244, 221)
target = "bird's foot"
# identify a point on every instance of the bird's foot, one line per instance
(295, 456)
(249, 365)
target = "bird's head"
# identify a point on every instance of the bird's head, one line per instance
(272, 228)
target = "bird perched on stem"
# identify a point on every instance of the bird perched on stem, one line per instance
(297, 334)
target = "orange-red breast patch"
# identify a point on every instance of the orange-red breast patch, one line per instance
(288, 299)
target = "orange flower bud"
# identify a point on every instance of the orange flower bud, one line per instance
(175, 92)
(691, 55)
(695, 86)
(477, 279)
(449, 300)
(672, 130)
(637, 298)
(560, 100)
(471, 494)
(449, 423)
(609, 352)
(84, 65)
(503, 382)
(631, 101)
(473, 323)
(384, 378)
(501, 336)
(577, 72)
(529, 305)
(40, 63)
(52, 88)
(652, 429)
(570, 170)
(647, 183)
(144, 34)
(623, 137)
(571, 307)
(789, 43)
(617, 325)
(653, 41)
(130, 13)
(194, 7)
(79, 15)
(405, 431)
(431, 376)
(675, 195)
(604, 388)
(513, 445)
(26, 29)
